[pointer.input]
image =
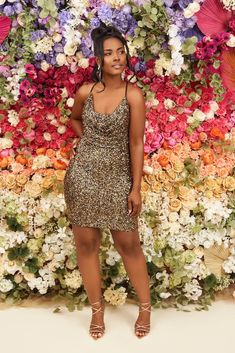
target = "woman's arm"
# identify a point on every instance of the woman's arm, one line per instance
(76, 114)
(136, 140)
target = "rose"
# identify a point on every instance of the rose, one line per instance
(10, 181)
(184, 193)
(48, 182)
(21, 179)
(33, 189)
(175, 205)
(229, 183)
(60, 174)
(18, 278)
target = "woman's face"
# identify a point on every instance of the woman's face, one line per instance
(114, 56)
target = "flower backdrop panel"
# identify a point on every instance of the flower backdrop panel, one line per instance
(184, 60)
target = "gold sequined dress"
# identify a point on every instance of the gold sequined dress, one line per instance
(98, 179)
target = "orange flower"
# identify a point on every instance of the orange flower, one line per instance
(50, 153)
(3, 162)
(58, 164)
(196, 145)
(208, 157)
(223, 172)
(21, 159)
(216, 132)
(41, 150)
(163, 160)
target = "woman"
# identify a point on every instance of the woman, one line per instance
(103, 181)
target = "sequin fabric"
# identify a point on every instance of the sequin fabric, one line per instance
(98, 179)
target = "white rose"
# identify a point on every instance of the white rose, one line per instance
(44, 65)
(5, 143)
(171, 118)
(214, 106)
(210, 115)
(64, 93)
(57, 37)
(61, 59)
(231, 41)
(199, 115)
(47, 136)
(147, 169)
(70, 48)
(83, 62)
(70, 102)
(61, 129)
(191, 9)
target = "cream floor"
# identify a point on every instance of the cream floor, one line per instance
(33, 327)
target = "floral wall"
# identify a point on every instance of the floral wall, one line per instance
(184, 57)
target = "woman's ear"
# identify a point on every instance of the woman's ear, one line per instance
(98, 61)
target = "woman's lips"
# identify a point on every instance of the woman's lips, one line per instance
(117, 66)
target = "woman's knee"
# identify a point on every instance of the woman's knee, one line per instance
(87, 241)
(128, 248)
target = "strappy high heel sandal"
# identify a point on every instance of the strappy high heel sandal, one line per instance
(97, 331)
(145, 328)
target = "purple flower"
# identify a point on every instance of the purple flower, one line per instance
(184, 3)
(105, 13)
(141, 2)
(18, 7)
(9, 10)
(64, 17)
(38, 34)
(58, 48)
(95, 22)
(39, 56)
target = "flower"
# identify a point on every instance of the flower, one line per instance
(5, 285)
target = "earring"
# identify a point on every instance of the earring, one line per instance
(99, 73)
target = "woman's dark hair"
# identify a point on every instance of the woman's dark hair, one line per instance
(98, 35)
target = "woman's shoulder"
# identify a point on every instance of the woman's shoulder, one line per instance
(134, 92)
(84, 90)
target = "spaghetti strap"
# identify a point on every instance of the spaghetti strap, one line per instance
(126, 89)
(92, 87)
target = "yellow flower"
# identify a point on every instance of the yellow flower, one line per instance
(21, 179)
(175, 205)
(33, 189)
(229, 183)
(48, 182)
(185, 193)
(10, 181)
(60, 174)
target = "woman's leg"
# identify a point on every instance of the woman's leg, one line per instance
(129, 247)
(87, 241)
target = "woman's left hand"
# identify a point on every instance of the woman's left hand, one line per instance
(134, 202)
